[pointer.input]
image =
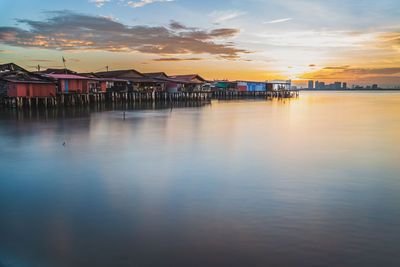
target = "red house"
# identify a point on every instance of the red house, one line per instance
(98, 84)
(68, 83)
(17, 82)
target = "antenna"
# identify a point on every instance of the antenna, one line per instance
(65, 67)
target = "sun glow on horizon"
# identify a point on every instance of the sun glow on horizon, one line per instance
(244, 42)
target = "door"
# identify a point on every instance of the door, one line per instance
(66, 86)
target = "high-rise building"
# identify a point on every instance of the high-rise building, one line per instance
(310, 84)
(319, 85)
(345, 86)
(338, 86)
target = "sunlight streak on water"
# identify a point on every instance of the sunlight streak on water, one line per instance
(313, 180)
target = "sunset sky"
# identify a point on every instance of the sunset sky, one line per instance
(357, 41)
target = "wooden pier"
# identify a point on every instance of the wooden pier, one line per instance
(257, 94)
(77, 99)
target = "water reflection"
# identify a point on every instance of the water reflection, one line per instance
(85, 111)
(311, 181)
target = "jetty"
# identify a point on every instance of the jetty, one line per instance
(63, 87)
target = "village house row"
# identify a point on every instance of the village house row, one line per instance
(16, 82)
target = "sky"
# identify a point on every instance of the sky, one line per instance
(355, 41)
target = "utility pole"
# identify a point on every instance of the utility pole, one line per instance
(107, 68)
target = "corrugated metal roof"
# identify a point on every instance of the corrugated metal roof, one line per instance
(57, 71)
(127, 75)
(27, 81)
(67, 76)
(11, 67)
(96, 77)
(156, 75)
(23, 77)
(120, 73)
(188, 78)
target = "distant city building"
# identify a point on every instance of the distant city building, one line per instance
(374, 86)
(337, 86)
(345, 86)
(310, 84)
(321, 86)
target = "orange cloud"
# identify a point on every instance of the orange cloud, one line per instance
(178, 59)
(68, 31)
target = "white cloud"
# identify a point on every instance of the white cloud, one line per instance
(314, 39)
(221, 16)
(99, 3)
(144, 2)
(277, 21)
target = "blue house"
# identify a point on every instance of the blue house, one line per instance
(256, 86)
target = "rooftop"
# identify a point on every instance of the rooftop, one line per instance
(67, 76)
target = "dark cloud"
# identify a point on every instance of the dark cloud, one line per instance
(70, 31)
(352, 73)
(178, 26)
(376, 71)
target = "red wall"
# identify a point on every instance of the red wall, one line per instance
(171, 87)
(103, 86)
(31, 90)
(75, 85)
(242, 88)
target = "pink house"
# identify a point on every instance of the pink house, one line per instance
(79, 84)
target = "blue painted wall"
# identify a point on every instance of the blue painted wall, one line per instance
(255, 87)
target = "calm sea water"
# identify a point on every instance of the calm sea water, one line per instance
(313, 181)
